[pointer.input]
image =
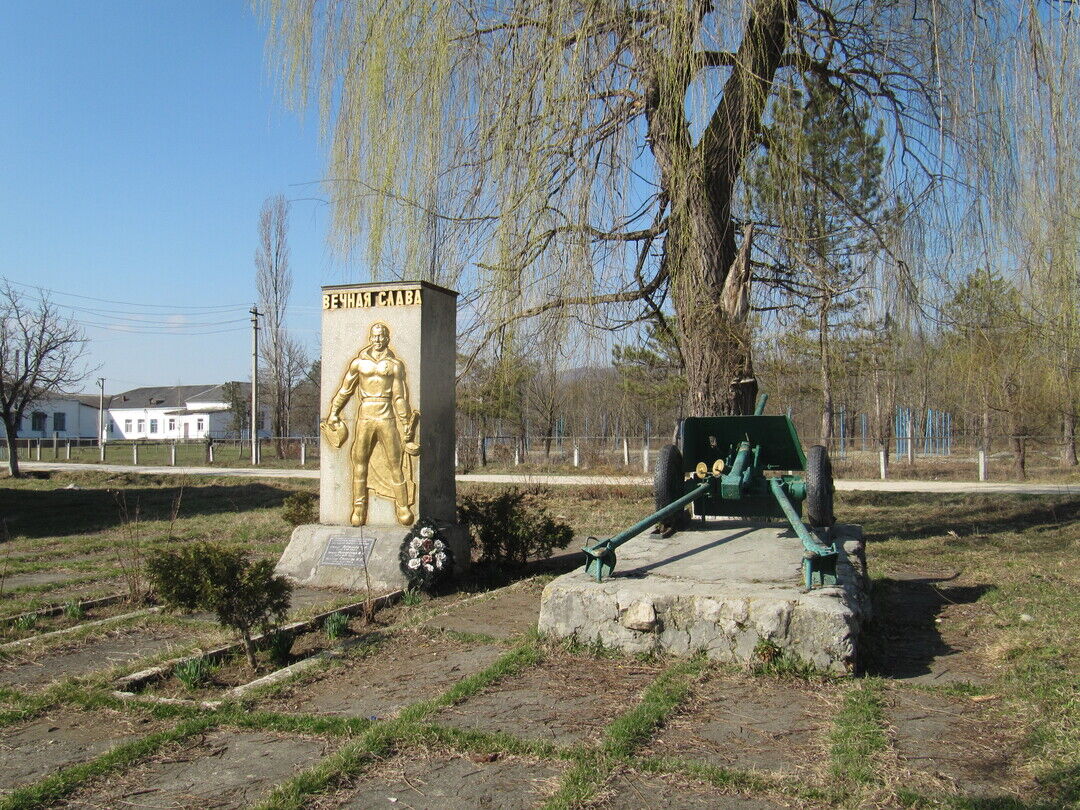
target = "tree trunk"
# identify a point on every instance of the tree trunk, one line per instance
(249, 648)
(709, 285)
(1068, 450)
(826, 376)
(710, 290)
(13, 451)
(1018, 439)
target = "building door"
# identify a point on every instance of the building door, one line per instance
(186, 426)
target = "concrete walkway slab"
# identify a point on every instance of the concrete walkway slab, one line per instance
(720, 587)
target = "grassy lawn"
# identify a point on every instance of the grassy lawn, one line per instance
(77, 533)
(988, 584)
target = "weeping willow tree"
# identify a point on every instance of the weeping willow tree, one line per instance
(584, 155)
(1043, 210)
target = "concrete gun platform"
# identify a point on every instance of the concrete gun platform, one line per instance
(719, 586)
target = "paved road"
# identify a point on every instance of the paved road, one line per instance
(891, 485)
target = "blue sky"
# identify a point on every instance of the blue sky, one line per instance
(139, 142)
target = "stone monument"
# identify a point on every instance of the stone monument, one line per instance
(387, 435)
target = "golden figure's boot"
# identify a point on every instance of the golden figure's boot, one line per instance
(401, 500)
(359, 512)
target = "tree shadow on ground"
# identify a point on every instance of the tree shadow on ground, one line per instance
(903, 640)
(484, 576)
(969, 516)
(37, 513)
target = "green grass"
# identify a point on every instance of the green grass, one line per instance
(660, 699)
(335, 625)
(858, 736)
(334, 770)
(54, 788)
(1014, 561)
(525, 655)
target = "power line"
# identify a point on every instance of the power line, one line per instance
(125, 303)
(152, 330)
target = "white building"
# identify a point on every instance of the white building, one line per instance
(178, 412)
(64, 416)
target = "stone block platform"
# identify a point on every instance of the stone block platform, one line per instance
(720, 587)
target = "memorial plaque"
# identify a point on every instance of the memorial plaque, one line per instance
(347, 551)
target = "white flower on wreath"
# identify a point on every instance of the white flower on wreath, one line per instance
(439, 545)
(414, 563)
(427, 531)
(429, 567)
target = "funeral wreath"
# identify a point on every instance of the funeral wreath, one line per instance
(425, 556)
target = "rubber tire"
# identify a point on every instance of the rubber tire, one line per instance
(819, 487)
(668, 486)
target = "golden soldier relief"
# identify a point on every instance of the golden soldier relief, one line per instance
(384, 438)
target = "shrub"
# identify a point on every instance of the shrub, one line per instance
(511, 527)
(74, 610)
(193, 673)
(242, 594)
(26, 621)
(335, 625)
(279, 647)
(299, 508)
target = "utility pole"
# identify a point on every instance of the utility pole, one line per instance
(101, 412)
(254, 383)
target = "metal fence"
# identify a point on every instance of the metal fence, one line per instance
(289, 452)
(856, 455)
(853, 455)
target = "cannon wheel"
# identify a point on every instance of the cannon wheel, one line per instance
(668, 486)
(819, 487)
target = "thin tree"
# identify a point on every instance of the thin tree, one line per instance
(41, 353)
(283, 357)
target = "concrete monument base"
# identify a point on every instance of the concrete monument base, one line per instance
(358, 559)
(719, 587)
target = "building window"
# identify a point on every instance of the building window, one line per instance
(127, 426)
(172, 425)
(199, 425)
(37, 420)
(260, 421)
(59, 421)
(141, 426)
(153, 425)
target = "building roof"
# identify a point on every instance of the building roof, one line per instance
(89, 400)
(173, 396)
(218, 393)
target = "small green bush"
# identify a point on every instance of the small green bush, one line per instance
(768, 659)
(299, 508)
(412, 598)
(511, 527)
(279, 647)
(335, 625)
(193, 673)
(74, 610)
(26, 622)
(244, 595)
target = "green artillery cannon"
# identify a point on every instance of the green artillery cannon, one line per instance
(721, 470)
